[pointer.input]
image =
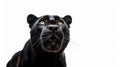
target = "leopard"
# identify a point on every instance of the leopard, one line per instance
(49, 36)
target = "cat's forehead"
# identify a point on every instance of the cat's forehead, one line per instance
(50, 17)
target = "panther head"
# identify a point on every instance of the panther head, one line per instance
(49, 32)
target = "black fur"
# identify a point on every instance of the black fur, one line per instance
(49, 37)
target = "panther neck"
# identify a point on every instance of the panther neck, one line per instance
(47, 60)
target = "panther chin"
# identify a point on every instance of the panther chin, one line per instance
(52, 43)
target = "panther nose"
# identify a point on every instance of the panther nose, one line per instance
(53, 27)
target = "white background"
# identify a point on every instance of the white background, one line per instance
(95, 30)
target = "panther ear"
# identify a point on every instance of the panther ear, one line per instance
(31, 19)
(68, 20)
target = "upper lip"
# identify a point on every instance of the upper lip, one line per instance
(51, 36)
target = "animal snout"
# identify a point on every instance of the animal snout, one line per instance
(53, 27)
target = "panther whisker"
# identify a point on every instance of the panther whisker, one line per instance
(38, 44)
(34, 44)
(58, 38)
(37, 47)
(45, 38)
(35, 36)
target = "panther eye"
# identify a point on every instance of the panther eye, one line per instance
(60, 23)
(42, 22)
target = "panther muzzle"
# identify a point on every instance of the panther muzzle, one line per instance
(52, 39)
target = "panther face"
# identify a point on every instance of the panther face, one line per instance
(49, 32)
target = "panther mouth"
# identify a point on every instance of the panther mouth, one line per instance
(52, 42)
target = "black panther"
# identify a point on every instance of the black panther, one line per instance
(50, 35)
